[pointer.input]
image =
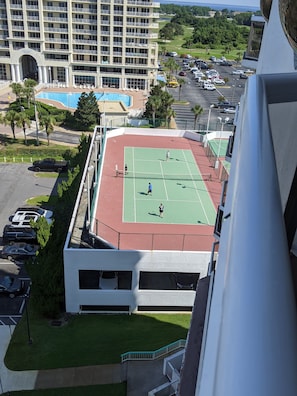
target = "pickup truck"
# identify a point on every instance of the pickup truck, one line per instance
(50, 165)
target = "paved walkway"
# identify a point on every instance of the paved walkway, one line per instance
(141, 376)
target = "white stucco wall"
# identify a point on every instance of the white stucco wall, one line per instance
(134, 261)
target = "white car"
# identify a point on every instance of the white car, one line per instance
(22, 216)
(218, 81)
(209, 87)
(230, 110)
(199, 74)
(237, 72)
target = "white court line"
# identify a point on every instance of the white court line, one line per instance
(196, 190)
(164, 181)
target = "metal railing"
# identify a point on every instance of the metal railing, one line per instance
(152, 355)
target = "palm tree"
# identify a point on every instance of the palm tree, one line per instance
(23, 121)
(172, 65)
(17, 89)
(197, 110)
(10, 118)
(181, 82)
(170, 113)
(47, 122)
(155, 102)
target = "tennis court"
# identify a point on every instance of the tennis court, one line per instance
(176, 183)
(219, 146)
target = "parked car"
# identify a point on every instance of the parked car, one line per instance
(226, 63)
(50, 165)
(201, 64)
(23, 216)
(182, 73)
(108, 280)
(209, 87)
(11, 234)
(172, 83)
(244, 76)
(237, 72)
(230, 110)
(19, 251)
(218, 81)
(11, 286)
(173, 54)
(225, 105)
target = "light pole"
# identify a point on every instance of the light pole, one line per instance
(36, 120)
(208, 118)
(222, 122)
(26, 299)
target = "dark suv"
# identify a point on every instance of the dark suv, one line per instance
(11, 233)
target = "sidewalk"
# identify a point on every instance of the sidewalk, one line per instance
(141, 376)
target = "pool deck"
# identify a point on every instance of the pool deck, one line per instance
(137, 104)
(138, 101)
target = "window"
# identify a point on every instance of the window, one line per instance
(168, 280)
(90, 279)
(219, 222)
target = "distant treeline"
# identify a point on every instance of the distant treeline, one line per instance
(173, 9)
(219, 31)
(190, 13)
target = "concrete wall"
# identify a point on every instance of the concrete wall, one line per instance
(134, 261)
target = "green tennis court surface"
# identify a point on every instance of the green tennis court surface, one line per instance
(176, 183)
(219, 146)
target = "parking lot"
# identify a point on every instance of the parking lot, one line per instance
(194, 94)
(18, 183)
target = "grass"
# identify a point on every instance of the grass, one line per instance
(16, 151)
(98, 390)
(90, 339)
(202, 53)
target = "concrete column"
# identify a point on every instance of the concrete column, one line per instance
(17, 72)
(44, 73)
(67, 76)
(12, 69)
(40, 79)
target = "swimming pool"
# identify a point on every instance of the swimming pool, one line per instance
(70, 99)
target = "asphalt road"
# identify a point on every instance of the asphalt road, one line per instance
(18, 183)
(195, 95)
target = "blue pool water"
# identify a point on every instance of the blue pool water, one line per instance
(70, 99)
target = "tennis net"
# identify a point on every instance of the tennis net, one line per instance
(164, 176)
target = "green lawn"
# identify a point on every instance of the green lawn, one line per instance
(177, 45)
(90, 339)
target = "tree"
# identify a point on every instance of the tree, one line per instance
(17, 89)
(29, 90)
(11, 118)
(181, 82)
(169, 114)
(155, 102)
(87, 113)
(23, 121)
(171, 65)
(47, 122)
(197, 110)
(43, 230)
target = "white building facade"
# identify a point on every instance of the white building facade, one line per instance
(106, 43)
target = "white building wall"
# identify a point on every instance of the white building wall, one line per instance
(134, 261)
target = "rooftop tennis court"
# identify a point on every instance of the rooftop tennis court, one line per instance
(176, 183)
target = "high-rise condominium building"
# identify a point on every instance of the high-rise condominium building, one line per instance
(102, 43)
